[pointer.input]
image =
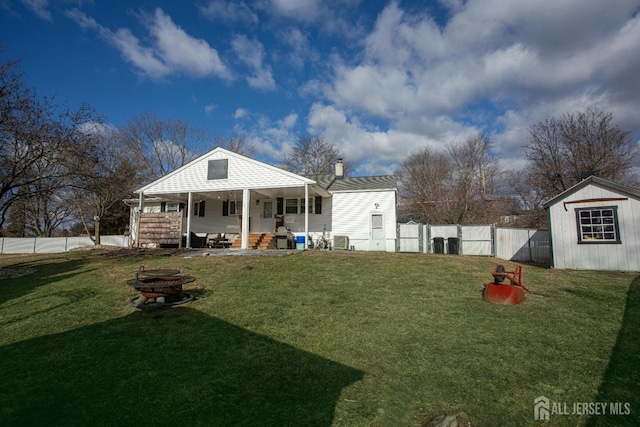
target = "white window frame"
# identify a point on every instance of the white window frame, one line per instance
(598, 225)
(235, 207)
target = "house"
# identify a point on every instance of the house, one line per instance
(595, 225)
(224, 192)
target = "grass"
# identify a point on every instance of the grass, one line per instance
(320, 338)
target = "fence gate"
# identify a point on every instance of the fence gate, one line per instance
(410, 238)
(477, 239)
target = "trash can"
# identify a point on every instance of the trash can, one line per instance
(300, 243)
(438, 245)
(453, 245)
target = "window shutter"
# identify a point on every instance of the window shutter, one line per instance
(318, 205)
(279, 206)
(201, 211)
(225, 208)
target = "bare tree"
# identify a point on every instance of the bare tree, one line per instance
(476, 173)
(312, 156)
(235, 143)
(160, 146)
(424, 182)
(104, 178)
(35, 134)
(455, 187)
(561, 151)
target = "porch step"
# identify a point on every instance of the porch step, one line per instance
(260, 241)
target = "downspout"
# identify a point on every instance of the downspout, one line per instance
(246, 205)
(189, 209)
(306, 213)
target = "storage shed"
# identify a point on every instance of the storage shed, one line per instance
(595, 225)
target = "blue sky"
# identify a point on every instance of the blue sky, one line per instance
(379, 79)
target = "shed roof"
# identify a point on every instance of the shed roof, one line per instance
(594, 180)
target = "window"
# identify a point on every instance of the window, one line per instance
(302, 206)
(218, 169)
(599, 225)
(291, 206)
(173, 207)
(235, 208)
(198, 208)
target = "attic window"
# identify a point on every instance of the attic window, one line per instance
(598, 225)
(218, 169)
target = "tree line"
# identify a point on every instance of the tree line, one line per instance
(68, 171)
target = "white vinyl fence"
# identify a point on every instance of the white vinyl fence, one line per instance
(485, 240)
(52, 245)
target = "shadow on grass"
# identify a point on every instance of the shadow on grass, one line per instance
(176, 367)
(622, 378)
(45, 273)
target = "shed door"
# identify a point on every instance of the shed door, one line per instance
(376, 240)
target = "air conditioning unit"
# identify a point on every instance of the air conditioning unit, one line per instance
(341, 242)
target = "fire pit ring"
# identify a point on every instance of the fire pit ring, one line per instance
(160, 288)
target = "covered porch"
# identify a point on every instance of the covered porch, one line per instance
(245, 213)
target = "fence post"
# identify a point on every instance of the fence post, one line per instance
(494, 241)
(397, 237)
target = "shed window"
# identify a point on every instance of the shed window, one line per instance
(598, 225)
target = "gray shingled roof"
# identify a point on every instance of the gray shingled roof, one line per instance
(360, 183)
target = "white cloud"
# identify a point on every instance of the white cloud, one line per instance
(182, 52)
(229, 12)
(300, 47)
(240, 113)
(495, 66)
(210, 108)
(251, 52)
(40, 8)
(305, 10)
(173, 51)
(289, 121)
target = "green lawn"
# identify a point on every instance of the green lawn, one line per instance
(313, 339)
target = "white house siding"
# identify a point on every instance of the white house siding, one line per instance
(214, 222)
(355, 222)
(242, 173)
(568, 254)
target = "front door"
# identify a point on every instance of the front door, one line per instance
(376, 241)
(267, 216)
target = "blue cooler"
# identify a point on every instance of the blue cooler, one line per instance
(300, 243)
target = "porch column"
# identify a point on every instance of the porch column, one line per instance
(246, 205)
(189, 209)
(137, 220)
(306, 214)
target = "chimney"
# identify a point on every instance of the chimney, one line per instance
(339, 169)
